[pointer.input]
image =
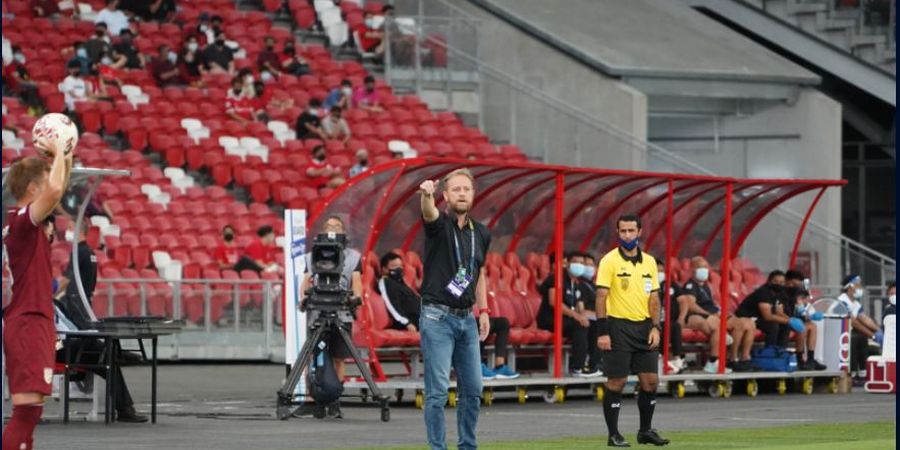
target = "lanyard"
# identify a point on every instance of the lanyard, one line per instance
(459, 252)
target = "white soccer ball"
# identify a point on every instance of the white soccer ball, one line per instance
(57, 130)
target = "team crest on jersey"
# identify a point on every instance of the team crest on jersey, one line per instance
(624, 283)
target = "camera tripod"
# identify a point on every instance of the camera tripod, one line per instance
(328, 321)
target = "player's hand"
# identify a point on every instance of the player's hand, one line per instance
(44, 147)
(484, 326)
(604, 343)
(654, 338)
(411, 327)
(427, 187)
(583, 320)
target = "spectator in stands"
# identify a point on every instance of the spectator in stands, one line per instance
(588, 305)
(863, 327)
(74, 87)
(126, 47)
(268, 59)
(890, 304)
(575, 324)
(44, 8)
(190, 64)
(261, 101)
(227, 254)
(16, 81)
(79, 55)
(291, 62)
(320, 173)
(259, 256)
(218, 58)
(309, 125)
(339, 96)
(112, 59)
(151, 10)
(239, 106)
(402, 303)
(215, 27)
(335, 127)
(99, 43)
(362, 163)
(402, 45)
(247, 78)
(203, 27)
(112, 17)
(163, 67)
(704, 316)
(671, 322)
(798, 306)
(366, 97)
(369, 37)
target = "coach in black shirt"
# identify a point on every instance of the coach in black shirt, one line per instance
(455, 250)
(68, 295)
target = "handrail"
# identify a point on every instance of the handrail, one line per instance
(679, 162)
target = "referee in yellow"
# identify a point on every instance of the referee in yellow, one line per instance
(627, 321)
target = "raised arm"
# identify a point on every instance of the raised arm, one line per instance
(57, 181)
(429, 210)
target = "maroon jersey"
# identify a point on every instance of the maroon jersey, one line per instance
(28, 254)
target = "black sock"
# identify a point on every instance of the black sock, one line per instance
(713, 359)
(810, 355)
(612, 402)
(646, 405)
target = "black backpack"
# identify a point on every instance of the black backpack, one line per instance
(325, 387)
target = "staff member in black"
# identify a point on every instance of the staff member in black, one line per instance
(628, 322)
(67, 295)
(455, 250)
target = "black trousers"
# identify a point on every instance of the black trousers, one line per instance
(674, 330)
(500, 329)
(859, 351)
(246, 263)
(88, 351)
(579, 337)
(776, 333)
(595, 355)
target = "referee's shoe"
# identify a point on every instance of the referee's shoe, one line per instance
(651, 437)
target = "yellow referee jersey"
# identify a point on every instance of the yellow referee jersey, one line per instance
(630, 282)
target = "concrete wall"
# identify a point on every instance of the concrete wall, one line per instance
(540, 130)
(808, 145)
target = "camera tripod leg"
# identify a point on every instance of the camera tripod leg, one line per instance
(367, 375)
(285, 403)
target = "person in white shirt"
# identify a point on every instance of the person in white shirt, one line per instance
(114, 18)
(74, 87)
(864, 328)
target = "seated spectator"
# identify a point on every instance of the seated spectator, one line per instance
(588, 305)
(703, 314)
(268, 59)
(215, 28)
(261, 102)
(16, 81)
(403, 304)
(74, 87)
(575, 324)
(799, 306)
(366, 97)
(362, 163)
(247, 78)
(90, 351)
(260, 255)
(863, 327)
(79, 55)
(218, 58)
(163, 67)
(237, 105)
(335, 127)
(151, 10)
(114, 18)
(99, 43)
(227, 253)
(125, 47)
(291, 62)
(369, 38)
(203, 27)
(309, 125)
(890, 304)
(190, 64)
(113, 60)
(321, 173)
(44, 8)
(340, 96)
(766, 305)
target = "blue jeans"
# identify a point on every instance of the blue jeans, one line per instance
(446, 339)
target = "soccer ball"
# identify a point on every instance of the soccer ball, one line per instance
(58, 129)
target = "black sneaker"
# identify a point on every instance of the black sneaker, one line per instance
(129, 415)
(815, 365)
(334, 410)
(651, 437)
(617, 440)
(309, 409)
(859, 381)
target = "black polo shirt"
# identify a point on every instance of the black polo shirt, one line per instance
(703, 295)
(574, 291)
(440, 260)
(764, 294)
(87, 268)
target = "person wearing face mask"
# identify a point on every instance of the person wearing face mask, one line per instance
(293, 63)
(112, 16)
(335, 127)
(362, 163)
(16, 81)
(227, 253)
(79, 55)
(368, 38)
(863, 327)
(217, 57)
(320, 173)
(366, 97)
(575, 323)
(309, 125)
(402, 303)
(798, 306)
(164, 68)
(67, 294)
(126, 48)
(238, 105)
(98, 44)
(74, 87)
(766, 304)
(268, 59)
(261, 102)
(340, 96)
(703, 315)
(890, 304)
(190, 64)
(587, 305)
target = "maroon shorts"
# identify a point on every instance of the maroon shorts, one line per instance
(29, 342)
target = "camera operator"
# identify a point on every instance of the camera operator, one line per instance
(351, 279)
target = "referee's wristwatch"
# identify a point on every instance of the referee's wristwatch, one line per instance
(657, 327)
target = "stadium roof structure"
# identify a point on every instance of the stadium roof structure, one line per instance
(548, 209)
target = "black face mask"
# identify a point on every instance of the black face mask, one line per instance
(99, 33)
(791, 292)
(776, 288)
(220, 43)
(289, 51)
(319, 156)
(396, 274)
(237, 91)
(270, 48)
(364, 162)
(228, 237)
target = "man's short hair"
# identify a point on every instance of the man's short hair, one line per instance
(587, 255)
(369, 79)
(794, 275)
(23, 172)
(336, 218)
(388, 257)
(346, 82)
(891, 284)
(629, 218)
(773, 274)
(464, 172)
(265, 230)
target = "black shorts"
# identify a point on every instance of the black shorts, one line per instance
(336, 346)
(630, 352)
